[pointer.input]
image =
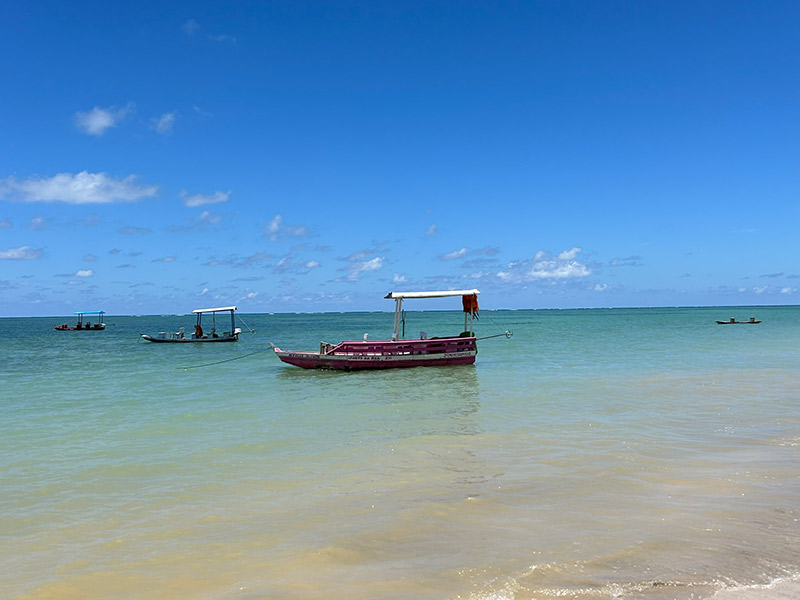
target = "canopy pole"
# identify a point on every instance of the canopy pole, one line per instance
(398, 302)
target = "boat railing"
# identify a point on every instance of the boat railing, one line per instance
(401, 347)
(168, 335)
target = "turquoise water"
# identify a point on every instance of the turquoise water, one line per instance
(620, 453)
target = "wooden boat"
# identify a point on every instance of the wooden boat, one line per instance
(459, 349)
(751, 321)
(85, 324)
(199, 335)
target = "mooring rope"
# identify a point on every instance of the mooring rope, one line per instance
(246, 325)
(506, 333)
(219, 362)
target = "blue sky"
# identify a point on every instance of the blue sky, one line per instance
(312, 156)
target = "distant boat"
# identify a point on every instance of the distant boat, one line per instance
(751, 321)
(424, 351)
(85, 324)
(199, 335)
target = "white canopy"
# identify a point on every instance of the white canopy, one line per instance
(210, 310)
(444, 294)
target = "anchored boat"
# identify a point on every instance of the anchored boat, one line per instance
(424, 351)
(751, 321)
(85, 324)
(200, 335)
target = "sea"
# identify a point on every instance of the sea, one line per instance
(607, 453)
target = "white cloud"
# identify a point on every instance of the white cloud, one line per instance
(600, 288)
(290, 264)
(163, 124)
(37, 223)
(98, 120)
(201, 222)
(81, 188)
(164, 259)
(21, 253)
(356, 269)
(544, 267)
(431, 230)
(569, 254)
(487, 251)
(273, 227)
(628, 261)
(357, 255)
(209, 217)
(276, 230)
(760, 290)
(204, 199)
(551, 269)
(398, 278)
(84, 273)
(5, 224)
(453, 255)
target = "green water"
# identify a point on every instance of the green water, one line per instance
(596, 454)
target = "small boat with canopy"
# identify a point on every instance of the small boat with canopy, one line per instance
(424, 351)
(733, 321)
(200, 335)
(84, 322)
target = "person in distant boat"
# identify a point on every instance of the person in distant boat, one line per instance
(198, 331)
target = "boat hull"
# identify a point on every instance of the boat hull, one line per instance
(355, 355)
(177, 340)
(68, 328)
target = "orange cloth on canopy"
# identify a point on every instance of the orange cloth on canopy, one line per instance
(470, 304)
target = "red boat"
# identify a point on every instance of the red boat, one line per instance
(84, 325)
(384, 354)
